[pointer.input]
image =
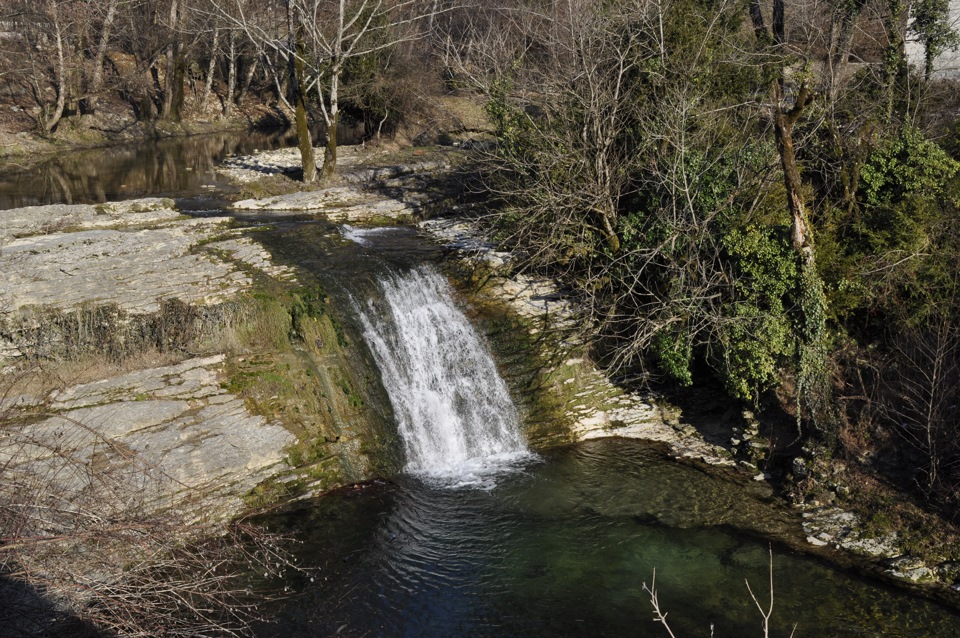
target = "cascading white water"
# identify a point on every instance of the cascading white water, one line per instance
(454, 413)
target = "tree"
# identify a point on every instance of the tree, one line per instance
(919, 393)
(322, 38)
(660, 616)
(813, 384)
(96, 74)
(630, 166)
(174, 71)
(931, 23)
(45, 57)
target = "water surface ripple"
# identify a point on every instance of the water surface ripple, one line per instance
(563, 549)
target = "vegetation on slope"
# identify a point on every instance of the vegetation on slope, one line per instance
(765, 193)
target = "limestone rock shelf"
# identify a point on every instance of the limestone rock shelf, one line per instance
(82, 279)
(132, 257)
(198, 445)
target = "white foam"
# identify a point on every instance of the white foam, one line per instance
(360, 235)
(454, 413)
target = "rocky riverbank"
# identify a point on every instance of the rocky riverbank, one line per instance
(85, 280)
(95, 297)
(184, 346)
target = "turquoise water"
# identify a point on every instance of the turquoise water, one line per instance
(563, 548)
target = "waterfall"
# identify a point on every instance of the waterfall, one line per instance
(453, 410)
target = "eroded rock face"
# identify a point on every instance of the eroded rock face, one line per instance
(130, 257)
(113, 279)
(44, 220)
(193, 444)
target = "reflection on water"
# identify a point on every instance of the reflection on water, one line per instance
(128, 171)
(179, 166)
(564, 549)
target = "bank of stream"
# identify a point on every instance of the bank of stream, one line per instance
(561, 546)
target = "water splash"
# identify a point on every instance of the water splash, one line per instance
(361, 235)
(454, 412)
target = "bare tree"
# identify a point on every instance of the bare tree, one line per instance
(212, 66)
(919, 394)
(660, 616)
(322, 37)
(46, 57)
(100, 56)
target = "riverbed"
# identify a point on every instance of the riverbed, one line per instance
(559, 544)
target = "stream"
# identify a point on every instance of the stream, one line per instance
(480, 536)
(492, 542)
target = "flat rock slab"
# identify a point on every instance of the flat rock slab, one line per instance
(128, 265)
(173, 429)
(839, 528)
(342, 203)
(250, 168)
(42, 220)
(367, 200)
(286, 161)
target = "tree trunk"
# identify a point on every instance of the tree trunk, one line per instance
(330, 151)
(231, 74)
(895, 60)
(298, 86)
(179, 80)
(759, 28)
(841, 42)
(173, 82)
(168, 76)
(49, 121)
(211, 67)
(783, 127)
(813, 395)
(96, 80)
(247, 79)
(333, 118)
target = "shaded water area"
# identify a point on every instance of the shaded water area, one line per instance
(563, 549)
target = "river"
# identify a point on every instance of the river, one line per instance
(557, 542)
(175, 167)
